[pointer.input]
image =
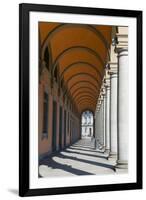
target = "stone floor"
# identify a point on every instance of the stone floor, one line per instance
(78, 159)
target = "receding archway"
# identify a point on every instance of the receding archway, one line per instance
(87, 124)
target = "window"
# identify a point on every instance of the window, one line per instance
(56, 74)
(68, 123)
(64, 128)
(45, 116)
(46, 57)
(62, 83)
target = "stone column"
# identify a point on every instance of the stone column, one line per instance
(113, 114)
(113, 68)
(107, 120)
(102, 123)
(123, 117)
(97, 126)
(103, 116)
(99, 142)
(123, 86)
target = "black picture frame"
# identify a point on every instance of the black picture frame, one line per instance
(24, 9)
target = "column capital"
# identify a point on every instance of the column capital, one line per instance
(101, 97)
(113, 68)
(103, 90)
(120, 41)
(99, 102)
(97, 109)
(121, 51)
(107, 82)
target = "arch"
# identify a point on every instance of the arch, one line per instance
(88, 110)
(86, 101)
(83, 48)
(85, 108)
(84, 92)
(83, 88)
(82, 73)
(84, 96)
(47, 61)
(86, 26)
(80, 62)
(84, 81)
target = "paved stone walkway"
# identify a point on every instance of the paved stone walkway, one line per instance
(78, 159)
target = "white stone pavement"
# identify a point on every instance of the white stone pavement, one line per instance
(78, 159)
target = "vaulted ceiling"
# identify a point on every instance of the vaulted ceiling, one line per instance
(81, 52)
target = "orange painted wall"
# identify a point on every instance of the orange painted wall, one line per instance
(45, 144)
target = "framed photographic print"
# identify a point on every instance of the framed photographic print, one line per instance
(80, 99)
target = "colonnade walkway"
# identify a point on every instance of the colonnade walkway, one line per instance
(80, 158)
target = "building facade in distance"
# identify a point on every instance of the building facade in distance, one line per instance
(87, 124)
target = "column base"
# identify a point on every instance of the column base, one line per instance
(112, 156)
(104, 149)
(100, 148)
(96, 144)
(107, 152)
(122, 164)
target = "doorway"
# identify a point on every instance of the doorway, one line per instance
(87, 124)
(54, 126)
(65, 128)
(60, 128)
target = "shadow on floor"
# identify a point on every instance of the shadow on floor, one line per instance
(84, 154)
(82, 149)
(71, 153)
(83, 146)
(87, 161)
(53, 164)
